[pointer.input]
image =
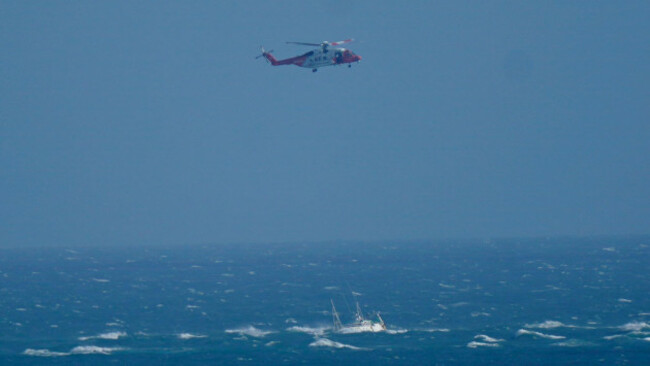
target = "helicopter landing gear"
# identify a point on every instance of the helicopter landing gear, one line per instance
(314, 70)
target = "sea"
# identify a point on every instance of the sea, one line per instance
(540, 301)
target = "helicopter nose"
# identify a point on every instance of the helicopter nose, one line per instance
(358, 58)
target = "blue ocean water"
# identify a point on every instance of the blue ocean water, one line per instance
(533, 302)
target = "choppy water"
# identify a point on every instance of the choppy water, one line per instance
(543, 301)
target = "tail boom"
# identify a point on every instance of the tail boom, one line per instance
(298, 60)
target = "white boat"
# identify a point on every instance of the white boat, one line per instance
(360, 325)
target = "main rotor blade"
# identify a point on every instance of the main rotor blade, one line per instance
(305, 44)
(341, 42)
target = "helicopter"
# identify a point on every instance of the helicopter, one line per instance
(327, 54)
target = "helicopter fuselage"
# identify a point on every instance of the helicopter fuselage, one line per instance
(320, 57)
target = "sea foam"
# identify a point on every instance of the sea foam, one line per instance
(547, 324)
(88, 350)
(44, 353)
(110, 336)
(521, 332)
(634, 326)
(79, 350)
(309, 330)
(474, 344)
(324, 342)
(190, 336)
(432, 330)
(396, 331)
(486, 338)
(250, 331)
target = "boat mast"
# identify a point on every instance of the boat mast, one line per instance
(381, 321)
(335, 317)
(359, 314)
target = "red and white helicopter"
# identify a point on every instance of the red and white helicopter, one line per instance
(322, 56)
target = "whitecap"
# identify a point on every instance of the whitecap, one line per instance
(521, 332)
(79, 350)
(431, 330)
(190, 336)
(109, 336)
(634, 326)
(573, 343)
(474, 344)
(396, 331)
(324, 342)
(44, 353)
(318, 331)
(609, 338)
(250, 331)
(92, 350)
(624, 300)
(101, 280)
(486, 338)
(547, 324)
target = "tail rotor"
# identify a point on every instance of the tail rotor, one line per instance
(264, 53)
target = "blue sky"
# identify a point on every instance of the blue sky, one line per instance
(152, 123)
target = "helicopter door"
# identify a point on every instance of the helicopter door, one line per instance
(339, 57)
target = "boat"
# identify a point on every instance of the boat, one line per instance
(360, 325)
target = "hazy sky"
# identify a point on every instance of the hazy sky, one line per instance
(151, 122)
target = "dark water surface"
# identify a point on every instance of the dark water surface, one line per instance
(534, 301)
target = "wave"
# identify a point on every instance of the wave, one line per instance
(521, 332)
(324, 342)
(319, 331)
(92, 350)
(190, 336)
(609, 338)
(431, 330)
(486, 338)
(573, 343)
(110, 336)
(548, 324)
(79, 350)
(44, 353)
(396, 331)
(474, 344)
(250, 331)
(634, 326)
